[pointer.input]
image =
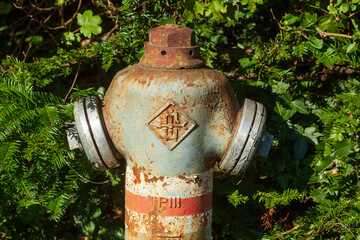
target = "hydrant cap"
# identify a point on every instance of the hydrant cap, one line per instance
(172, 35)
(171, 46)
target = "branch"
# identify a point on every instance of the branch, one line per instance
(322, 10)
(326, 34)
(294, 228)
(68, 21)
(278, 23)
(75, 78)
(50, 8)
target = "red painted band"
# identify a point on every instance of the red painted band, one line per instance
(174, 206)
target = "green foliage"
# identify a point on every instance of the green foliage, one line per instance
(273, 199)
(299, 58)
(4, 8)
(236, 199)
(89, 23)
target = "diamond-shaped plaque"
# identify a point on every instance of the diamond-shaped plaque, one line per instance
(170, 125)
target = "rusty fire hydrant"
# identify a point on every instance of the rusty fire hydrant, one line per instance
(171, 120)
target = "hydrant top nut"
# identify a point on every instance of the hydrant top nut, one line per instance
(172, 35)
(171, 47)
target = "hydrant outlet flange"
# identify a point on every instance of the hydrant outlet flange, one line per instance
(247, 138)
(93, 135)
(253, 141)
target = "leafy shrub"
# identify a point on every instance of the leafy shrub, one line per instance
(299, 58)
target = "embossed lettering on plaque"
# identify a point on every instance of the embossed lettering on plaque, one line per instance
(170, 125)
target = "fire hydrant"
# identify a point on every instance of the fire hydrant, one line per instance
(171, 120)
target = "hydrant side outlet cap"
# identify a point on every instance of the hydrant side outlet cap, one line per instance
(93, 135)
(172, 47)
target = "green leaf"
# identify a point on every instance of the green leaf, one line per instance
(349, 169)
(315, 42)
(356, 34)
(238, 14)
(337, 133)
(290, 19)
(280, 87)
(311, 133)
(344, 7)
(323, 163)
(301, 143)
(89, 23)
(188, 16)
(318, 195)
(304, 137)
(4, 8)
(283, 182)
(351, 48)
(236, 198)
(299, 106)
(68, 38)
(300, 148)
(199, 8)
(332, 9)
(330, 24)
(344, 148)
(285, 112)
(37, 39)
(308, 19)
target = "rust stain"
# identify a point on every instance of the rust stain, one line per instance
(137, 175)
(173, 47)
(155, 82)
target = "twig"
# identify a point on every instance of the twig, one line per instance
(50, 8)
(346, 229)
(27, 51)
(270, 55)
(75, 62)
(321, 9)
(289, 231)
(353, 14)
(278, 23)
(326, 34)
(302, 34)
(68, 21)
(106, 35)
(76, 75)
(84, 178)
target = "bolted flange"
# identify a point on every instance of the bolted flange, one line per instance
(247, 138)
(90, 134)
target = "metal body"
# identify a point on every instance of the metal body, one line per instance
(169, 169)
(171, 120)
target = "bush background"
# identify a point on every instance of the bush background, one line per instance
(299, 58)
